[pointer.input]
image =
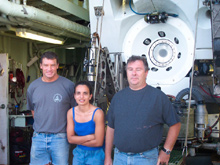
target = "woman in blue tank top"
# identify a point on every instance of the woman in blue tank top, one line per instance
(86, 127)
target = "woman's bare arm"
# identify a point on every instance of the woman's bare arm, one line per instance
(71, 136)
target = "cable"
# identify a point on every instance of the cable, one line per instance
(169, 14)
(97, 61)
(208, 93)
(213, 125)
(207, 136)
(191, 84)
(213, 97)
(135, 11)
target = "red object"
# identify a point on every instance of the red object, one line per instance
(10, 75)
(20, 78)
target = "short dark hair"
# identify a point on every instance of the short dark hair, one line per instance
(49, 55)
(88, 84)
(134, 58)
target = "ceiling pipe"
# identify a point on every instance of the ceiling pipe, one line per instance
(6, 21)
(42, 17)
(24, 2)
(54, 30)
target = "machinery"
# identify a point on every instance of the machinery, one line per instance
(181, 41)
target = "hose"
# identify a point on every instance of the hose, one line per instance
(195, 94)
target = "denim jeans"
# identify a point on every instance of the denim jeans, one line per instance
(147, 158)
(88, 157)
(49, 147)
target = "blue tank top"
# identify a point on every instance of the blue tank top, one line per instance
(87, 128)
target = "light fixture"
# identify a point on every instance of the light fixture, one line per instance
(70, 47)
(26, 33)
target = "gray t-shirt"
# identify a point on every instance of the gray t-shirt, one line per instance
(138, 117)
(50, 102)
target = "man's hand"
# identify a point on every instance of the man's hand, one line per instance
(163, 158)
(108, 161)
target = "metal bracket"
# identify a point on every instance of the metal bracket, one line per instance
(1, 70)
(112, 71)
(2, 146)
(98, 10)
(2, 106)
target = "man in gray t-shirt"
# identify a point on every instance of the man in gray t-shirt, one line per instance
(49, 98)
(135, 120)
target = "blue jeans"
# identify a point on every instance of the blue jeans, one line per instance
(88, 157)
(49, 147)
(147, 158)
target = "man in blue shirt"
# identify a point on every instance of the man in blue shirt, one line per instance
(135, 120)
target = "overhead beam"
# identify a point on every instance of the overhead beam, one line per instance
(70, 7)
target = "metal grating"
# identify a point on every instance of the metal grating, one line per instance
(176, 157)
